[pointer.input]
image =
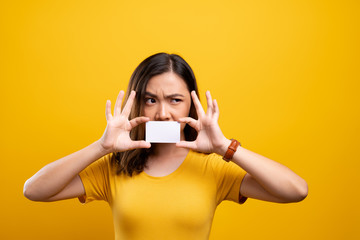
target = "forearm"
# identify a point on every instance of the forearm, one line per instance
(52, 178)
(274, 177)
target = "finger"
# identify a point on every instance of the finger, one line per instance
(136, 121)
(197, 104)
(127, 108)
(216, 109)
(140, 144)
(186, 144)
(192, 122)
(209, 110)
(108, 110)
(117, 108)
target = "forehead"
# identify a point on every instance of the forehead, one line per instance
(168, 82)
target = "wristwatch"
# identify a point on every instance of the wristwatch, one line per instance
(231, 150)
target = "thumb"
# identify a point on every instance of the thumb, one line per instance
(186, 144)
(140, 144)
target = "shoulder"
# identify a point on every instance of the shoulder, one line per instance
(209, 160)
(103, 164)
(204, 156)
(196, 154)
(216, 163)
(106, 159)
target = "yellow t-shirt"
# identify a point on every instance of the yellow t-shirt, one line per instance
(180, 205)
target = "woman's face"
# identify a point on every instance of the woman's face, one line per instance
(167, 98)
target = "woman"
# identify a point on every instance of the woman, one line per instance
(164, 190)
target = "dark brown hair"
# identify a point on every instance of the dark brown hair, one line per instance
(135, 160)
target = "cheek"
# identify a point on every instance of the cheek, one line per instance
(188, 109)
(181, 111)
(147, 112)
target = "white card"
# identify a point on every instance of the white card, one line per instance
(162, 132)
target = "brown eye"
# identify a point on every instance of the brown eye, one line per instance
(176, 100)
(150, 100)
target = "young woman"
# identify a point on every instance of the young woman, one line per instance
(164, 190)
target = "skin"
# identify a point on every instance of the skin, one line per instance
(167, 99)
(265, 179)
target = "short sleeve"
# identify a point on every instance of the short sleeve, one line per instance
(228, 177)
(96, 180)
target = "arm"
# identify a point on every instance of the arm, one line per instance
(265, 179)
(59, 180)
(56, 176)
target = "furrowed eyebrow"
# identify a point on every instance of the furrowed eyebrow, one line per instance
(175, 95)
(168, 96)
(150, 94)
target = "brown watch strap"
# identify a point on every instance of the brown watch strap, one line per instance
(231, 150)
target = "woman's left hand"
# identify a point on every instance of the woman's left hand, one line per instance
(210, 139)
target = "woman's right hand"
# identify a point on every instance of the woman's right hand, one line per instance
(116, 137)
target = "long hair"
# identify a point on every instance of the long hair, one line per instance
(135, 160)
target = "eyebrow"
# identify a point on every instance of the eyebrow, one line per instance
(167, 96)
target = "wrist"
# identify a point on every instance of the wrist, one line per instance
(102, 149)
(232, 147)
(224, 147)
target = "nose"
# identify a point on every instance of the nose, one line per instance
(162, 113)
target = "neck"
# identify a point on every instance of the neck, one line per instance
(168, 149)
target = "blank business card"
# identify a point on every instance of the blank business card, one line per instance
(162, 132)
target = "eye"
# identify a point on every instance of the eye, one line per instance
(176, 100)
(150, 100)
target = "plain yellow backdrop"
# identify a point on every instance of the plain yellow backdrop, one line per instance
(285, 74)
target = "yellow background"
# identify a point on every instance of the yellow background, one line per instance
(285, 74)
